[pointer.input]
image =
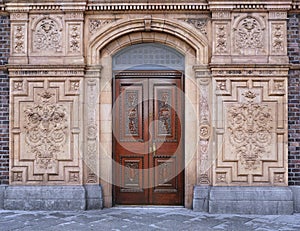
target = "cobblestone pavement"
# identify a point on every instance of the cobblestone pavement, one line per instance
(142, 218)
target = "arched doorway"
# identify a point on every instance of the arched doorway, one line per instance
(148, 125)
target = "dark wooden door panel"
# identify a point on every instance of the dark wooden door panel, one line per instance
(147, 140)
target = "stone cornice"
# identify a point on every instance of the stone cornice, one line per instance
(148, 7)
(57, 6)
(214, 5)
(250, 5)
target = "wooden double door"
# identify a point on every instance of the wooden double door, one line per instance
(148, 147)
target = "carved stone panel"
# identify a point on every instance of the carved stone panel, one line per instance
(47, 34)
(251, 131)
(45, 131)
(250, 34)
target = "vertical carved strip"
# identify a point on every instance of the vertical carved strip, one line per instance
(74, 38)
(19, 24)
(91, 157)
(204, 132)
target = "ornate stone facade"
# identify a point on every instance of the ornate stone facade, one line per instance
(236, 86)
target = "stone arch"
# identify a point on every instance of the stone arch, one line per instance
(101, 51)
(172, 33)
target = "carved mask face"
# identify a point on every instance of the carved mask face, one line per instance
(47, 26)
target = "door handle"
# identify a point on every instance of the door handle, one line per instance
(154, 149)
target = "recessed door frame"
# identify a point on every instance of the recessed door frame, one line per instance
(147, 77)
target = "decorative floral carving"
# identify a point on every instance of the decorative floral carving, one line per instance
(18, 176)
(278, 177)
(45, 131)
(221, 85)
(75, 85)
(249, 127)
(249, 35)
(47, 36)
(96, 24)
(18, 85)
(221, 39)
(277, 38)
(221, 178)
(199, 23)
(164, 113)
(131, 173)
(132, 113)
(74, 45)
(19, 39)
(164, 172)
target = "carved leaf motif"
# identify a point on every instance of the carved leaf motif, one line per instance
(250, 132)
(45, 130)
(74, 39)
(221, 35)
(277, 39)
(96, 24)
(199, 23)
(47, 36)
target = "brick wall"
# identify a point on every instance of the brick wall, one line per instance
(4, 98)
(294, 100)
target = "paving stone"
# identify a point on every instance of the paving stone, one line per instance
(144, 219)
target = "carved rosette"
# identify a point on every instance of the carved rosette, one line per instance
(47, 36)
(46, 132)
